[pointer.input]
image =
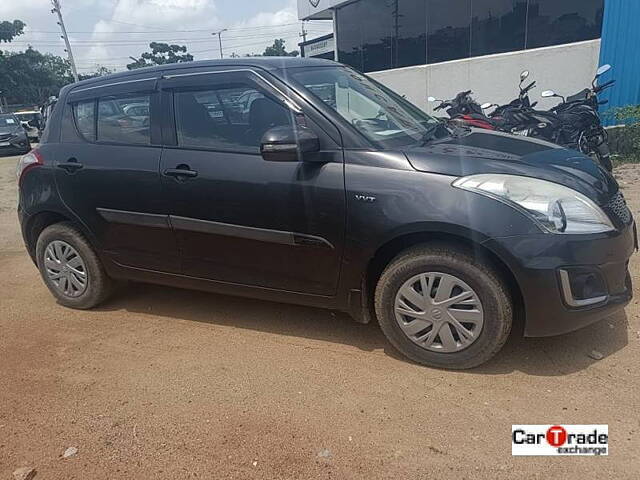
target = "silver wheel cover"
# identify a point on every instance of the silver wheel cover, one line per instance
(65, 268)
(439, 312)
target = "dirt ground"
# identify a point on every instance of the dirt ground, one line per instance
(174, 384)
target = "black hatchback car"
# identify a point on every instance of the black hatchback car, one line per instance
(331, 191)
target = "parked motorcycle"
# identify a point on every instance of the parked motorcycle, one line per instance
(464, 110)
(518, 116)
(574, 123)
(580, 124)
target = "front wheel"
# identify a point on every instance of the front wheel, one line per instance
(603, 156)
(441, 306)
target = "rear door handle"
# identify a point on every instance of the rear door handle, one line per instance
(71, 165)
(180, 172)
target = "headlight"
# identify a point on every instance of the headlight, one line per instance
(555, 208)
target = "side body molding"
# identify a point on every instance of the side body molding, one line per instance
(215, 228)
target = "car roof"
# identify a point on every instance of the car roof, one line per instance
(266, 63)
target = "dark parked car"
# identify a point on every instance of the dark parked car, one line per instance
(353, 200)
(13, 137)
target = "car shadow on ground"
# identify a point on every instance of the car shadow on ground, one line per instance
(552, 356)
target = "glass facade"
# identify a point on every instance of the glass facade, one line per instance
(382, 34)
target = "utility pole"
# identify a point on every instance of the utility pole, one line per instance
(304, 33)
(56, 9)
(396, 29)
(220, 39)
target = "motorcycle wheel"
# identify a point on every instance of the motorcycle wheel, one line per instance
(603, 156)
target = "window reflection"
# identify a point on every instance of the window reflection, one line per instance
(381, 34)
(410, 35)
(377, 32)
(449, 30)
(497, 26)
(551, 22)
(349, 35)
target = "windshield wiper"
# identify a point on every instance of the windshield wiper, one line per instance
(430, 134)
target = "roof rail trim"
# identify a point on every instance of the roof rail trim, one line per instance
(293, 105)
(112, 84)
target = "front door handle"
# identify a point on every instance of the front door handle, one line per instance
(70, 165)
(181, 172)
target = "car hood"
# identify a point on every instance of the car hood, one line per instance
(483, 151)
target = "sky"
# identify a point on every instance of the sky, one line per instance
(107, 32)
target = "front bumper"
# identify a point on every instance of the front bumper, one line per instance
(552, 304)
(19, 145)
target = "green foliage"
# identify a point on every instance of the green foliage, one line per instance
(10, 30)
(625, 141)
(31, 77)
(278, 50)
(161, 54)
(99, 72)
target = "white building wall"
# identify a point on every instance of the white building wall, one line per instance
(317, 9)
(566, 69)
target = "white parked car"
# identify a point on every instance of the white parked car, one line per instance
(30, 120)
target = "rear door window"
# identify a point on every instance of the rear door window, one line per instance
(124, 119)
(85, 116)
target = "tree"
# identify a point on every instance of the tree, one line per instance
(31, 77)
(625, 141)
(278, 50)
(10, 30)
(161, 54)
(100, 71)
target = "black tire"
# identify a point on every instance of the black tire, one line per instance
(604, 156)
(461, 263)
(99, 286)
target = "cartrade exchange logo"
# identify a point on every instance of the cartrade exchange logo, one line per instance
(559, 440)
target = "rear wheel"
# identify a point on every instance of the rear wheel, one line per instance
(70, 267)
(441, 306)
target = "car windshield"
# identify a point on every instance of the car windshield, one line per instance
(8, 121)
(382, 116)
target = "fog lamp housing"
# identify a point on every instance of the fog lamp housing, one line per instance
(582, 286)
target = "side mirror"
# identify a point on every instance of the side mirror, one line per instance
(524, 75)
(603, 69)
(287, 143)
(548, 93)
